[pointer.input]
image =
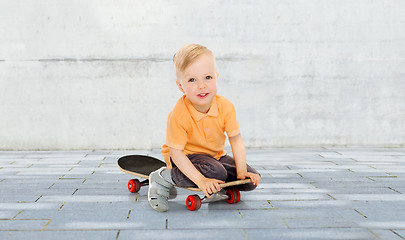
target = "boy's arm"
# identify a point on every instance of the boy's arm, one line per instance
(239, 154)
(207, 185)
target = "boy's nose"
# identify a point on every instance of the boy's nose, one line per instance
(201, 85)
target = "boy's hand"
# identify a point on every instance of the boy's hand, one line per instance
(209, 186)
(254, 177)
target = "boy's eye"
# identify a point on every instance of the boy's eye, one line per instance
(191, 80)
(208, 77)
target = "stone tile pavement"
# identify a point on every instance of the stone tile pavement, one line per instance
(319, 193)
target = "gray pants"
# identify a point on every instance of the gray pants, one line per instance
(223, 169)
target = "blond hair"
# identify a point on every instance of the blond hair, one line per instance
(187, 54)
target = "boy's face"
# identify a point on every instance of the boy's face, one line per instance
(199, 82)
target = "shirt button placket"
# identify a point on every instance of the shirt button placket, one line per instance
(208, 134)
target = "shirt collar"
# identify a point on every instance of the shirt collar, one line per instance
(213, 112)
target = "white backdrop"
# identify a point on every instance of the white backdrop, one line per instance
(99, 75)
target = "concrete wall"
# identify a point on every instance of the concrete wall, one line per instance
(98, 74)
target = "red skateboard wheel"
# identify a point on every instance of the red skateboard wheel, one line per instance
(193, 202)
(134, 185)
(234, 195)
(237, 195)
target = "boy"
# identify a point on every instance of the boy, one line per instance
(195, 139)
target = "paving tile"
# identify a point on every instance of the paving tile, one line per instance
(19, 196)
(306, 214)
(86, 206)
(60, 235)
(8, 214)
(95, 219)
(83, 198)
(22, 206)
(319, 223)
(286, 197)
(223, 219)
(359, 190)
(186, 234)
(383, 211)
(385, 224)
(399, 233)
(36, 214)
(388, 234)
(30, 224)
(311, 234)
(371, 197)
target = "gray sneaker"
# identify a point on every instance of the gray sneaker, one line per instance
(159, 191)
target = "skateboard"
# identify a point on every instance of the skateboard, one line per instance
(141, 166)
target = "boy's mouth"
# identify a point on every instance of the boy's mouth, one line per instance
(202, 95)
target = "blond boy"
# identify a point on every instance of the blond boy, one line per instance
(195, 139)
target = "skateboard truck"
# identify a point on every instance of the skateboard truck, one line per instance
(134, 185)
(193, 202)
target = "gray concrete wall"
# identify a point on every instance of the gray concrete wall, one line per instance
(98, 74)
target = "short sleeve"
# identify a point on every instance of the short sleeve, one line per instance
(176, 133)
(231, 123)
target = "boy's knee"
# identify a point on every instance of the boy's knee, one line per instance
(216, 171)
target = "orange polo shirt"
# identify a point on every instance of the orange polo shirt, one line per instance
(195, 132)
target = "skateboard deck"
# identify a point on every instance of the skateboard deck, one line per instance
(141, 166)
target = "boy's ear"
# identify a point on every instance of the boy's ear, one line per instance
(179, 86)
